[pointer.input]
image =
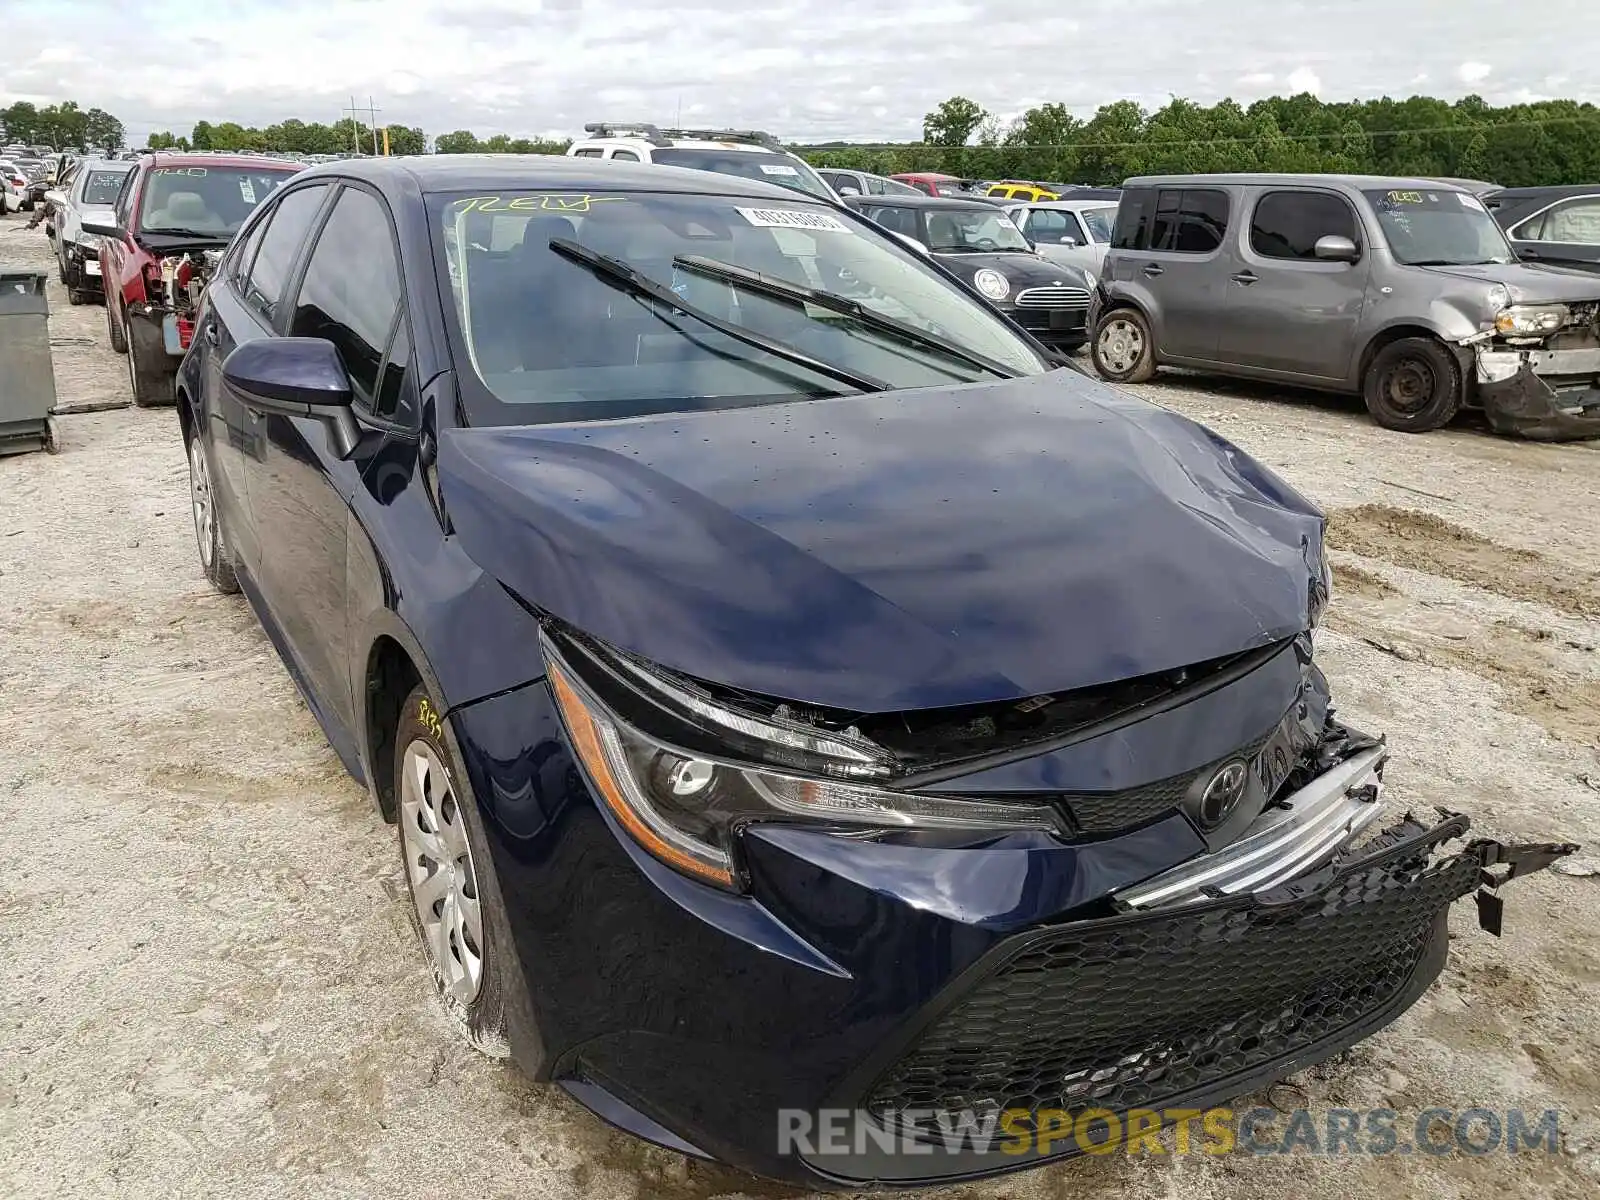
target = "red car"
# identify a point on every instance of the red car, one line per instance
(175, 215)
(932, 183)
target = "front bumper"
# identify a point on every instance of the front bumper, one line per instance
(1054, 327)
(862, 975)
(1544, 395)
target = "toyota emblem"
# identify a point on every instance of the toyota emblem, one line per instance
(1222, 794)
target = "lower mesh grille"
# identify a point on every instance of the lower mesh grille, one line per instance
(1135, 1012)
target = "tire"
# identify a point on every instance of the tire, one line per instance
(1413, 386)
(216, 555)
(76, 296)
(152, 376)
(1122, 348)
(460, 920)
(119, 343)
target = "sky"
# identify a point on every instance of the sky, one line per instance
(806, 70)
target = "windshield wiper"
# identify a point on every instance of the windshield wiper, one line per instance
(209, 235)
(800, 295)
(624, 278)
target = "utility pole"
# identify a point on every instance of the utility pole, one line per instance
(355, 146)
(373, 110)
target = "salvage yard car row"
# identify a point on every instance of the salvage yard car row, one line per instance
(632, 533)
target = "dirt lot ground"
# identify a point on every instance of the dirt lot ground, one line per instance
(213, 989)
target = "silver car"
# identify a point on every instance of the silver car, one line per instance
(88, 196)
(1074, 232)
(1403, 291)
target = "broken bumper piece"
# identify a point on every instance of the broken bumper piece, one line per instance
(1188, 1003)
(1545, 395)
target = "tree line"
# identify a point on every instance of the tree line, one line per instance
(64, 126)
(1547, 142)
(1519, 145)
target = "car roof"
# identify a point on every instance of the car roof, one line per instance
(1068, 205)
(105, 164)
(177, 158)
(1288, 180)
(1554, 191)
(531, 172)
(945, 203)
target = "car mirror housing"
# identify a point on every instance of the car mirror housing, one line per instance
(103, 230)
(55, 196)
(296, 377)
(1334, 248)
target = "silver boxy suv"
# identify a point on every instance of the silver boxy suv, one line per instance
(1404, 291)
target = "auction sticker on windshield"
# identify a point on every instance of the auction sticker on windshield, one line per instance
(790, 218)
(778, 169)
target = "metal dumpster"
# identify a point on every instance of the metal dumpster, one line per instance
(27, 376)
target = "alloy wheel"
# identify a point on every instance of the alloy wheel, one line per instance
(205, 513)
(438, 862)
(1121, 345)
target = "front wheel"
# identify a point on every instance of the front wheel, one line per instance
(216, 556)
(450, 876)
(114, 333)
(1413, 385)
(1123, 350)
(151, 376)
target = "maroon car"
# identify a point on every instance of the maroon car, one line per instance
(174, 217)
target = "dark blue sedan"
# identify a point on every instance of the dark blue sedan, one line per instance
(824, 735)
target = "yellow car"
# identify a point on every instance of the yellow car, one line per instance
(1017, 189)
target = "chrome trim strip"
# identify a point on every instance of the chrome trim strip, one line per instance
(1294, 836)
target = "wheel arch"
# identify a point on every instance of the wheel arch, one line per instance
(1399, 332)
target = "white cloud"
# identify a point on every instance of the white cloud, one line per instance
(865, 70)
(1303, 79)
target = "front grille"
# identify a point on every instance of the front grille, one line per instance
(1109, 812)
(1142, 1011)
(1053, 297)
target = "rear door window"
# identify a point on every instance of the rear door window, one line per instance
(1287, 224)
(1134, 215)
(1572, 222)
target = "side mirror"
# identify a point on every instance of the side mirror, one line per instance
(296, 377)
(846, 190)
(55, 196)
(909, 241)
(1068, 240)
(103, 230)
(1333, 248)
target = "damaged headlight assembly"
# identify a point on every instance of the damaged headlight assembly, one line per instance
(1531, 320)
(683, 774)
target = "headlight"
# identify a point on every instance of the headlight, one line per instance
(1499, 296)
(992, 284)
(1531, 318)
(1094, 281)
(686, 803)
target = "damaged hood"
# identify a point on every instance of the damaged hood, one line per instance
(1529, 283)
(897, 550)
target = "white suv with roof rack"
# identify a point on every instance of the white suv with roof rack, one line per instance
(748, 153)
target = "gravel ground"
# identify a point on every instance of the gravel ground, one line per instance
(214, 985)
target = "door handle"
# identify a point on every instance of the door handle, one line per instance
(1151, 270)
(1245, 277)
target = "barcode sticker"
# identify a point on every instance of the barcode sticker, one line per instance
(791, 218)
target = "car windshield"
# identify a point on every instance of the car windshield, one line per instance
(749, 164)
(551, 340)
(1100, 221)
(103, 187)
(207, 200)
(968, 231)
(1438, 228)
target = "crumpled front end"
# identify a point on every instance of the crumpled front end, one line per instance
(1542, 385)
